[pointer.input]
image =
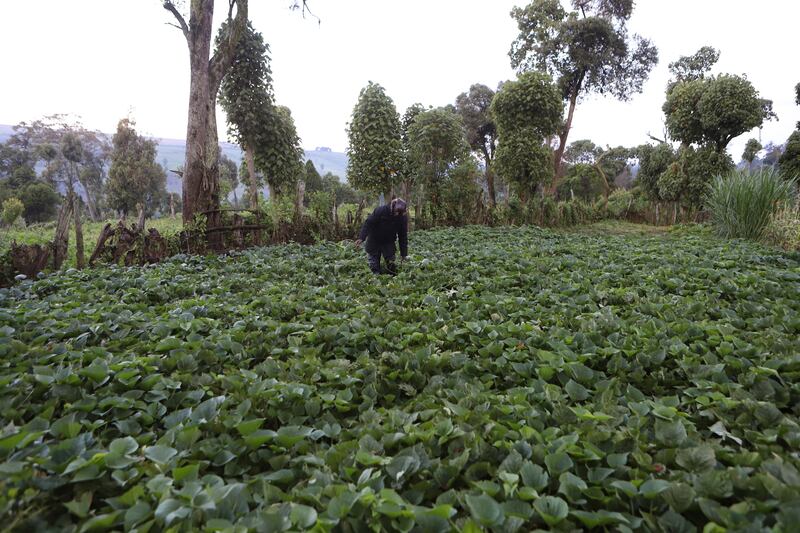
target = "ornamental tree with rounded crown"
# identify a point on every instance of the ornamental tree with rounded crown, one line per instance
(375, 148)
(714, 110)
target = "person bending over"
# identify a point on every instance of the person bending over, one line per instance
(385, 225)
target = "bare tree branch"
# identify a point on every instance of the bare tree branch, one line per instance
(303, 6)
(169, 6)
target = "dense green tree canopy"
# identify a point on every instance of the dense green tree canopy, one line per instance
(582, 151)
(481, 131)
(751, 149)
(695, 66)
(714, 110)
(524, 161)
(41, 202)
(531, 102)
(653, 162)
(247, 88)
(587, 51)
(134, 177)
(687, 179)
(527, 111)
(312, 178)
(375, 149)
(789, 162)
(278, 154)
(436, 142)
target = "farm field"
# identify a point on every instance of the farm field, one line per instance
(509, 379)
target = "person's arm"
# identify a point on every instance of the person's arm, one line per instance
(402, 236)
(368, 226)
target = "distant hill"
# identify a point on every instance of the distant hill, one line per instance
(171, 153)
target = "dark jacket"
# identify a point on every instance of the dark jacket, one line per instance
(382, 228)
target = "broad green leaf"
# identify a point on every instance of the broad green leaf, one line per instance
(552, 509)
(484, 509)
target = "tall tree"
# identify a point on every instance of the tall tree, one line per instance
(751, 149)
(437, 143)
(246, 94)
(375, 144)
(228, 178)
(789, 162)
(587, 50)
(278, 154)
(201, 170)
(473, 106)
(135, 177)
(527, 112)
(407, 177)
(312, 178)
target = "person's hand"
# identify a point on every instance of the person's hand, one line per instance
(358, 243)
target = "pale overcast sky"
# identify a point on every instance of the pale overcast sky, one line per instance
(104, 59)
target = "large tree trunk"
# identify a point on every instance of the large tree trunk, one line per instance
(251, 172)
(61, 239)
(490, 185)
(558, 166)
(79, 255)
(201, 172)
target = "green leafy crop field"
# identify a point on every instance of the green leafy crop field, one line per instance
(507, 379)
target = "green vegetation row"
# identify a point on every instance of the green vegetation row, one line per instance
(509, 379)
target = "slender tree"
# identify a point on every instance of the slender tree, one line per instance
(135, 178)
(473, 106)
(374, 151)
(246, 94)
(587, 50)
(278, 154)
(751, 149)
(437, 143)
(527, 112)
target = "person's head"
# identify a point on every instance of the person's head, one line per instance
(398, 207)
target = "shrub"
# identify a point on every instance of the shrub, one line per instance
(12, 209)
(784, 228)
(742, 203)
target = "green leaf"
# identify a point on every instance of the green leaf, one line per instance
(653, 487)
(160, 454)
(670, 434)
(552, 509)
(101, 522)
(558, 463)
(168, 344)
(303, 516)
(123, 446)
(484, 509)
(697, 459)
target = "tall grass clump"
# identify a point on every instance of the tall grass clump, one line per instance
(743, 203)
